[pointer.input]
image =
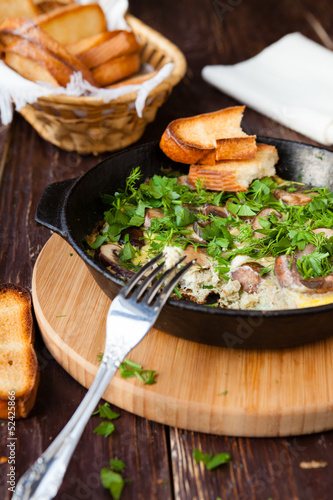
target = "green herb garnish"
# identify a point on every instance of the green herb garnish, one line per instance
(130, 369)
(111, 478)
(105, 411)
(211, 461)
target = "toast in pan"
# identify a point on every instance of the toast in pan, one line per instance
(209, 138)
(236, 175)
(18, 361)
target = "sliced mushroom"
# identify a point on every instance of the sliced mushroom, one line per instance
(152, 213)
(183, 181)
(248, 276)
(192, 208)
(328, 232)
(293, 197)
(319, 285)
(200, 254)
(135, 236)
(108, 255)
(198, 226)
(264, 213)
(288, 276)
(210, 209)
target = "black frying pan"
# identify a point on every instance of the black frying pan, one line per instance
(73, 207)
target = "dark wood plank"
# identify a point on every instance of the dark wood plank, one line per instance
(260, 468)
(4, 145)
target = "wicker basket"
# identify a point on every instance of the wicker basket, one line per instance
(89, 125)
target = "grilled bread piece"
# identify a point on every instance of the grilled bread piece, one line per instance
(15, 8)
(208, 138)
(99, 49)
(37, 56)
(18, 361)
(236, 175)
(73, 22)
(35, 63)
(116, 69)
(47, 6)
(11, 30)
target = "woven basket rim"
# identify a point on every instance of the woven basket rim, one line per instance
(176, 75)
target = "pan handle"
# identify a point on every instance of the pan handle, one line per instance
(50, 207)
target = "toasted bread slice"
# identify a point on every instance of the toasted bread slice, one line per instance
(80, 46)
(33, 44)
(116, 69)
(28, 68)
(136, 79)
(208, 138)
(118, 43)
(18, 362)
(48, 6)
(73, 22)
(17, 8)
(236, 175)
(11, 30)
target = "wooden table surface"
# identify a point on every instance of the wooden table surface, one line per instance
(159, 460)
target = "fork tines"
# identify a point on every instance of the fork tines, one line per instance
(153, 291)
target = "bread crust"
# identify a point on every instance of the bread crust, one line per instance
(73, 22)
(235, 175)
(116, 69)
(32, 43)
(17, 355)
(14, 8)
(196, 151)
(25, 58)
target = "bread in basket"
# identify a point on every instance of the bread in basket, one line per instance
(90, 125)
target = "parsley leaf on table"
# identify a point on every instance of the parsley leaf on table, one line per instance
(105, 429)
(106, 412)
(211, 461)
(112, 479)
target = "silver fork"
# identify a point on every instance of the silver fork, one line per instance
(128, 321)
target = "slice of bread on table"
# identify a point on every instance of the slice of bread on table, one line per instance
(236, 175)
(18, 361)
(209, 138)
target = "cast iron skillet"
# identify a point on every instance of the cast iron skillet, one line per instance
(73, 207)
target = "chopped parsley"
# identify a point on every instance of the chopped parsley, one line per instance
(211, 461)
(106, 427)
(130, 369)
(112, 478)
(223, 238)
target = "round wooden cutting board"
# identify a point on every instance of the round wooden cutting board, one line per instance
(200, 388)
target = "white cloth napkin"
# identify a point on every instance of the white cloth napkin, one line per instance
(18, 90)
(291, 82)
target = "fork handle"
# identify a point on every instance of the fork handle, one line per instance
(43, 479)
